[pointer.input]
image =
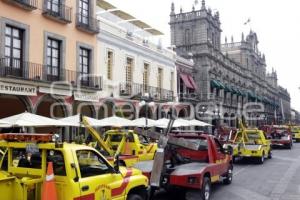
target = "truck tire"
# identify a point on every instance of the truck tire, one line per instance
(206, 189)
(260, 160)
(270, 155)
(228, 176)
(134, 197)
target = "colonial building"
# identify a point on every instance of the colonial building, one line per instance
(47, 51)
(228, 76)
(132, 64)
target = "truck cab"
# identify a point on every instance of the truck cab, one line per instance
(80, 172)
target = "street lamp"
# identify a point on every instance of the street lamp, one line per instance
(202, 110)
(216, 113)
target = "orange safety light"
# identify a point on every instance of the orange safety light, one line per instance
(32, 137)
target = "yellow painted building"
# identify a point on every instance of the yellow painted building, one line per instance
(44, 42)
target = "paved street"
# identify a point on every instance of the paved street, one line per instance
(276, 179)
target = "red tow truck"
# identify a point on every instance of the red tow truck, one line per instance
(280, 135)
(193, 169)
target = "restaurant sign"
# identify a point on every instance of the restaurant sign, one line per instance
(18, 89)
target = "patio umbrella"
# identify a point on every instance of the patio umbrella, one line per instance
(4, 124)
(141, 122)
(196, 122)
(27, 119)
(163, 123)
(114, 121)
(75, 121)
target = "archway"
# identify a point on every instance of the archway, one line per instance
(126, 110)
(52, 108)
(86, 109)
(106, 109)
(142, 112)
(13, 105)
(183, 113)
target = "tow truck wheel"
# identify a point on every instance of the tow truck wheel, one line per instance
(134, 197)
(270, 154)
(261, 159)
(228, 177)
(206, 189)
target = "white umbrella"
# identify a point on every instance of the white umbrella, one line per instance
(141, 122)
(4, 124)
(114, 121)
(28, 119)
(196, 122)
(163, 123)
(75, 121)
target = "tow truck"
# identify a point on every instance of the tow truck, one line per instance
(296, 133)
(80, 172)
(280, 135)
(251, 143)
(190, 161)
(127, 144)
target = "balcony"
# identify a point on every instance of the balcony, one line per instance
(136, 89)
(36, 72)
(87, 23)
(57, 12)
(25, 4)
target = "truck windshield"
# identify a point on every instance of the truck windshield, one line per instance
(201, 143)
(91, 164)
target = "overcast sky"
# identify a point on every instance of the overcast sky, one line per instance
(276, 22)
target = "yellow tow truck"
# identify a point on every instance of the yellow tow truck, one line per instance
(130, 146)
(296, 133)
(80, 172)
(251, 143)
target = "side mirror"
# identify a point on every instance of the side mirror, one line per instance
(117, 164)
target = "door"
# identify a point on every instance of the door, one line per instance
(97, 179)
(221, 158)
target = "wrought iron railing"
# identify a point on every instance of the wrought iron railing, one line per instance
(14, 68)
(27, 4)
(87, 23)
(59, 12)
(158, 94)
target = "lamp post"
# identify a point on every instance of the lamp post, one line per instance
(216, 113)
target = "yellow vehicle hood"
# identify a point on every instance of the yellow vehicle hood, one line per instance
(129, 171)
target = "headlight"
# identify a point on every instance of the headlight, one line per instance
(193, 180)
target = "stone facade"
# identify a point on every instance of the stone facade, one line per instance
(230, 75)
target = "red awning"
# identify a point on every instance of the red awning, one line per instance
(193, 82)
(186, 81)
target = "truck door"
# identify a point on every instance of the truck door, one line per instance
(97, 179)
(221, 157)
